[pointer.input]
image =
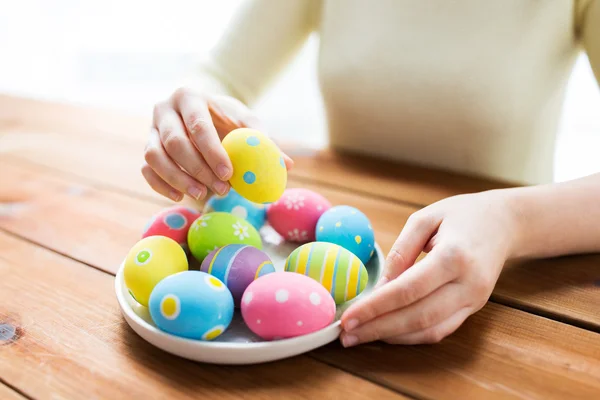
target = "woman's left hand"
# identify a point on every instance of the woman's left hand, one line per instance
(468, 238)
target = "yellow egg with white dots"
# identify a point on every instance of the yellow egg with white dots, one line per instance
(148, 262)
(259, 171)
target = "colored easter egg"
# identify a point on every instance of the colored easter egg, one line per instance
(349, 228)
(285, 304)
(340, 272)
(235, 204)
(192, 304)
(295, 215)
(259, 171)
(237, 265)
(148, 262)
(173, 222)
(217, 229)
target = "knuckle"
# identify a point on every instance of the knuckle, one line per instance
(158, 110)
(395, 258)
(369, 311)
(434, 335)
(197, 125)
(407, 295)
(198, 170)
(146, 171)
(370, 335)
(172, 142)
(425, 320)
(482, 286)
(180, 93)
(151, 155)
(458, 258)
(420, 219)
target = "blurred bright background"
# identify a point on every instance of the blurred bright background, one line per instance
(129, 54)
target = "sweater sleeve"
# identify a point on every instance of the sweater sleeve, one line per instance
(590, 33)
(261, 39)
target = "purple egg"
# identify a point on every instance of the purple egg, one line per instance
(237, 266)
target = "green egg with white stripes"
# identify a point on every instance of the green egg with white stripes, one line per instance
(334, 267)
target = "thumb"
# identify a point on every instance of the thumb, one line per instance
(413, 238)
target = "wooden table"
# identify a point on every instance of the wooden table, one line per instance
(72, 202)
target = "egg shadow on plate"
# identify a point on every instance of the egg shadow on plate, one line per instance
(191, 376)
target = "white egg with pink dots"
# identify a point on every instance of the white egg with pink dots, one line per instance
(286, 304)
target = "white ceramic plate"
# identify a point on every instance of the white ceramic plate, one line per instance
(238, 345)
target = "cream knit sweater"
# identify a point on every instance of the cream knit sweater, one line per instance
(465, 85)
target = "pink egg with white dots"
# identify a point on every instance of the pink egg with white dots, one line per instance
(173, 222)
(295, 215)
(283, 305)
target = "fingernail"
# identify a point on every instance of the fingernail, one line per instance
(220, 187)
(349, 341)
(223, 171)
(353, 323)
(175, 196)
(195, 192)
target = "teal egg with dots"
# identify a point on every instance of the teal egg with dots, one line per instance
(235, 204)
(191, 304)
(348, 227)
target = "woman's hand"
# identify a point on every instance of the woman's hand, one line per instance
(468, 238)
(184, 154)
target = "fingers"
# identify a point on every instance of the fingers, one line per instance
(417, 282)
(289, 163)
(198, 122)
(160, 162)
(433, 334)
(178, 146)
(159, 185)
(412, 240)
(417, 317)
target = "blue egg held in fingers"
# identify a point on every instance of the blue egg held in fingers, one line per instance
(235, 204)
(191, 304)
(347, 227)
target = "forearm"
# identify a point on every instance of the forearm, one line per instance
(557, 219)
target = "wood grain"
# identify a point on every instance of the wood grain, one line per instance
(80, 140)
(499, 353)
(60, 303)
(46, 207)
(72, 342)
(374, 177)
(7, 393)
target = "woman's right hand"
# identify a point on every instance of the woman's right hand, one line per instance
(184, 154)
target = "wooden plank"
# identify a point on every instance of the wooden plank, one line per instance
(34, 207)
(72, 342)
(47, 209)
(93, 226)
(526, 326)
(404, 183)
(499, 353)
(7, 393)
(61, 135)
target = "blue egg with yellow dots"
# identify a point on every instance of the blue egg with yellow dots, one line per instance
(191, 304)
(347, 227)
(237, 205)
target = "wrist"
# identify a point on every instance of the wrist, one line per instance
(520, 221)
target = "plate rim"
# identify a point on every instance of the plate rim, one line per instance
(333, 329)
